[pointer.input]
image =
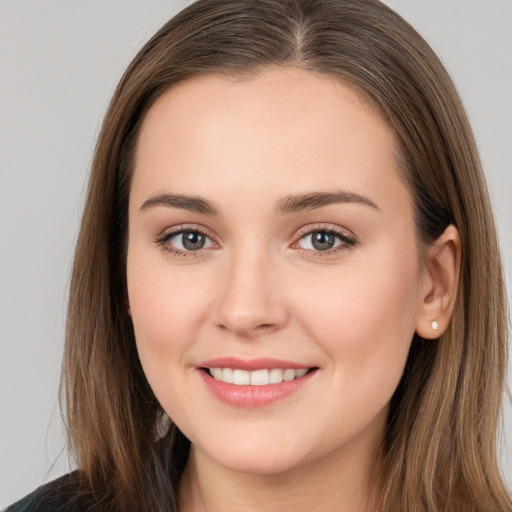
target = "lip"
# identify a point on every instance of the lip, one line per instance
(250, 365)
(253, 396)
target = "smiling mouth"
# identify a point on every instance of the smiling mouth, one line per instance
(254, 383)
(262, 377)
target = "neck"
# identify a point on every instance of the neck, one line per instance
(339, 481)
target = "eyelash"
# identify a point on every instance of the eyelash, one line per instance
(347, 242)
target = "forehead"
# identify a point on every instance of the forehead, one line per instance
(283, 131)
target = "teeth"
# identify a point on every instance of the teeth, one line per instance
(289, 374)
(257, 377)
(227, 375)
(241, 377)
(276, 376)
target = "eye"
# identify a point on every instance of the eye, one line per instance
(325, 240)
(185, 241)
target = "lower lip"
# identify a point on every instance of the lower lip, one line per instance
(253, 396)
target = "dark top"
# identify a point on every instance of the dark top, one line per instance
(61, 495)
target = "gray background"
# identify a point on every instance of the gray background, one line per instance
(59, 63)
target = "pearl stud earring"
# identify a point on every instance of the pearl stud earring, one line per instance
(435, 325)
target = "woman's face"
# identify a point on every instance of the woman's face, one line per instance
(269, 230)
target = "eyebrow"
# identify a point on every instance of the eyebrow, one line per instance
(314, 200)
(185, 202)
(287, 204)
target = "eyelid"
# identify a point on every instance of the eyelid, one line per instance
(180, 228)
(311, 228)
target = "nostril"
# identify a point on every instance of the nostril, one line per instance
(264, 327)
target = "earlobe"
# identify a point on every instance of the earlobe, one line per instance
(127, 307)
(439, 289)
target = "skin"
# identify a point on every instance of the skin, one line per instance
(259, 288)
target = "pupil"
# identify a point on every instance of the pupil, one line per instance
(193, 240)
(323, 241)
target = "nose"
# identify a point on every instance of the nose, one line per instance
(250, 301)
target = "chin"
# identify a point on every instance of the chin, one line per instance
(262, 463)
(267, 456)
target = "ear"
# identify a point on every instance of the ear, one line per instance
(127, 306)
(439, 284)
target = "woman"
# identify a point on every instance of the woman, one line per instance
(286, 214)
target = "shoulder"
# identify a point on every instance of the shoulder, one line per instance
(66, 494)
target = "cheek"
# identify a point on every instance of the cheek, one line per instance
(166, 309)
(363, 316)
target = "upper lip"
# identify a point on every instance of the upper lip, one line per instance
(259, 363)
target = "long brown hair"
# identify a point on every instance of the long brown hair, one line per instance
(440, 446)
